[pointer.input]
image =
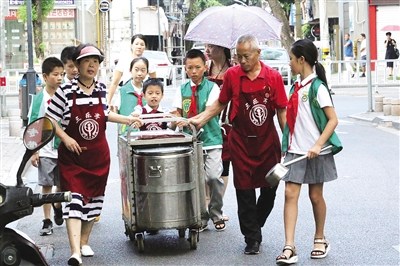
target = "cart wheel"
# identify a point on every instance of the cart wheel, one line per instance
(129, 233)
(181, 233)
(193, 239)
(140, 242)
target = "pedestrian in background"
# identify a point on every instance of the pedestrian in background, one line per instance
(83, 155)
(348, 54)
(122, 74)
(46, 158)
(390, 45)
(257, 94)
(311, 121)
(194, 97)
(363, 53)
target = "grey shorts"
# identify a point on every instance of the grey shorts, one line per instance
(318, 170)
(364, 63)
(48, 172)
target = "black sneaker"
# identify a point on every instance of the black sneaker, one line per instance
(362, 75)
(252, 248)
(58, 215)
(47, 228)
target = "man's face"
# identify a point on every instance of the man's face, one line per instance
(247, 56)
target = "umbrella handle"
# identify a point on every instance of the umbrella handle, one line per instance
(304, 156)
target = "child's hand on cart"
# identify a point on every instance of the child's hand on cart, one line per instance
(135, 121)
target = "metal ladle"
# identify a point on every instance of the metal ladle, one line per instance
(280, 170)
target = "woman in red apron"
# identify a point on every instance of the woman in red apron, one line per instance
(83, 155)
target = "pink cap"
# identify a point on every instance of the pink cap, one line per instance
(90, 51)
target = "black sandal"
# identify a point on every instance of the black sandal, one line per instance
(220, 225)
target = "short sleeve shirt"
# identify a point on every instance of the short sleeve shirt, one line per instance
(124, 64)
(236, 80)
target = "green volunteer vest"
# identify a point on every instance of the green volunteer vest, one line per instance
(38, 110)
(319, 117)
(128, 99)
(212, 131)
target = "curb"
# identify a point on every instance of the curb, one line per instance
(387, 121)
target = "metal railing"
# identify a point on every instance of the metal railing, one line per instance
(339, 77)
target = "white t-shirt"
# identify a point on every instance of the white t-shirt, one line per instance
(48, 150)
(124, 64)
(306, 132)
(214, 94)
(363, 45)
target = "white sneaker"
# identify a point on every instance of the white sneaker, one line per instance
(87, 251)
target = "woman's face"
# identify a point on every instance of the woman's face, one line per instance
(139, 71)
(138, 46)
(88, 67)
(212, 51)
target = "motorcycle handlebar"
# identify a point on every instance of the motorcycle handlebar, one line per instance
(39, 199)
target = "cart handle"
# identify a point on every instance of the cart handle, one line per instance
(166, 117)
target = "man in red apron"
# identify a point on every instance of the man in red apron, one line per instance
(257, 93)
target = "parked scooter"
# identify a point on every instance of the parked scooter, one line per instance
(18, 201)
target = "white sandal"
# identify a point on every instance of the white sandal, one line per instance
(283, 259)
(317, 253)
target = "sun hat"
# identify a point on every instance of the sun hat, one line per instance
(90, 51)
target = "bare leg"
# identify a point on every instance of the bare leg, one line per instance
(292, 193)
(319, 209)
(225, 179)
(46, 207)
(74, 227)
(85, 233)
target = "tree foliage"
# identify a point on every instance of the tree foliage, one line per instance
(40, 10)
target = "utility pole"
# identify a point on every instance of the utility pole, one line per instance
(31, 73)
(324, 27)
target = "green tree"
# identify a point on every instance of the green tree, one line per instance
(40, 10)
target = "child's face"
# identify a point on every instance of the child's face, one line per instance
(295, 64)
(153, 96)
(54, 78)
(70, 69)
(139, 71)
(195, 69)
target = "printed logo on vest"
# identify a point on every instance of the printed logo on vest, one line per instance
(258, 114)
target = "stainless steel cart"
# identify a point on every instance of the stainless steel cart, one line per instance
(162, 183)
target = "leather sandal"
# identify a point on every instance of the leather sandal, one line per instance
(318, 253)
(220, 225)
(283, 259)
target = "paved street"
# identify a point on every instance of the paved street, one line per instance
(362, 221)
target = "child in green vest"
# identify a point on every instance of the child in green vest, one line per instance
(310, 123)
(194, 97)
(46, 159)
(131, 93)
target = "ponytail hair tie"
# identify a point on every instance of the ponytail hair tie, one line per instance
(316, 62)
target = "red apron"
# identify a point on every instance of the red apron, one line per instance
(254, 142)
(86, 173)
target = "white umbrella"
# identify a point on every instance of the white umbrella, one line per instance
(222, 25)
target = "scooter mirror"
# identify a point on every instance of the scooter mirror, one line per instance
(38, 133)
